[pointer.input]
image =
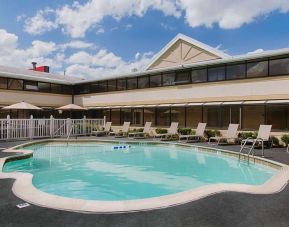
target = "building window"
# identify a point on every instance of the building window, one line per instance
(56, 88)
(199, 75)
(178, 114)
(66, 90)
(194, 116)
(277, 116)
(15, 84)
(156, 81)
(279, 67)
(115, 116)
(149, 115)
(125, 115)
(132, 83)
(163, 117)
(253, 117)
(30, 85)
(137, 117)
(230, 114)
(121, 84)
(102, 86)
(43, 87)
(168, 79)
(93, 88)
(212, 115)
(143, 82)
(183, 78)
(3, 83)
(236, 71)
(257, 69)
(216, 74)
(111, 85)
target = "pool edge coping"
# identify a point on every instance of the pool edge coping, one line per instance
(24, 189)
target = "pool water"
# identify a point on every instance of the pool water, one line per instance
(96, 171)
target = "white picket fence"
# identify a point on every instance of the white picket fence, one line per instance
(13, 129)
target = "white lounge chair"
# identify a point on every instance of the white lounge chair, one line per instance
(231, 135)
(105, 131)
(124, 130)
(142, 134)
(263, 136)
(199, 134)
(173, 130)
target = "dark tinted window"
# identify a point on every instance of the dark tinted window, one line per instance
(56, 88)
(3, 83)
(121, 84)
(183, 78)
(111, 85)
(236, 71)
(102, 86)
(44, 87)
(31, 85)
(143, 82)
(66, 89)
(15, 84)
(215, 74)
(81, 89)
(257, 69)
(94, 87)
(168, 79)
(156, 81)
(132, 83)
(279, 66)
(199, 75)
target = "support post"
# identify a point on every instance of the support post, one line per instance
(84, 125)
(8, 127)
(51, 126)
(31, 128)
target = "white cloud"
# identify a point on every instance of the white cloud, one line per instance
(104, 64)
(256, 51)
(76, 19)
(229, 14)
(100, 64)
(39, 23)
(100, 31)
(77, 44)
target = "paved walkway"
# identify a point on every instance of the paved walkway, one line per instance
(224, 209)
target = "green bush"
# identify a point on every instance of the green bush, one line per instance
(161, 130)
(212, 133)
(275, 141)
(136, 130)
(285, 139)
(185, 131)
(245, 135)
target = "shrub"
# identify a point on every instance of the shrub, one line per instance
(245, 135)
(212, 133)
(285, 139)
(275, 141)
(185, 131)
(161, 130)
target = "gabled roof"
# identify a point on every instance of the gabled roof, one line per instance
(194, 43)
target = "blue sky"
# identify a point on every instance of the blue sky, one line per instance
(101, 37)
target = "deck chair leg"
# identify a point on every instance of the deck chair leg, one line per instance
(262, 148)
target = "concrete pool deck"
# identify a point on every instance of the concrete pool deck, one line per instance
(224, 209)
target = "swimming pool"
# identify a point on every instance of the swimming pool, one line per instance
(97, 171)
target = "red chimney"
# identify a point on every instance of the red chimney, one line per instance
(40, 68)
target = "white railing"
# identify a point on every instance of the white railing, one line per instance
(13, 129)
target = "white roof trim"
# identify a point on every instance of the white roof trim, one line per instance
(213, 104)
(195, 104)
(277, 101)
(254, 102)
(191, 41)
(233, 103)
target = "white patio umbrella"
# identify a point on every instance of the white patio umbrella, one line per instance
(22, 106)
(71, 107)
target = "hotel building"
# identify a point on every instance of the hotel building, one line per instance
(187, 82)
